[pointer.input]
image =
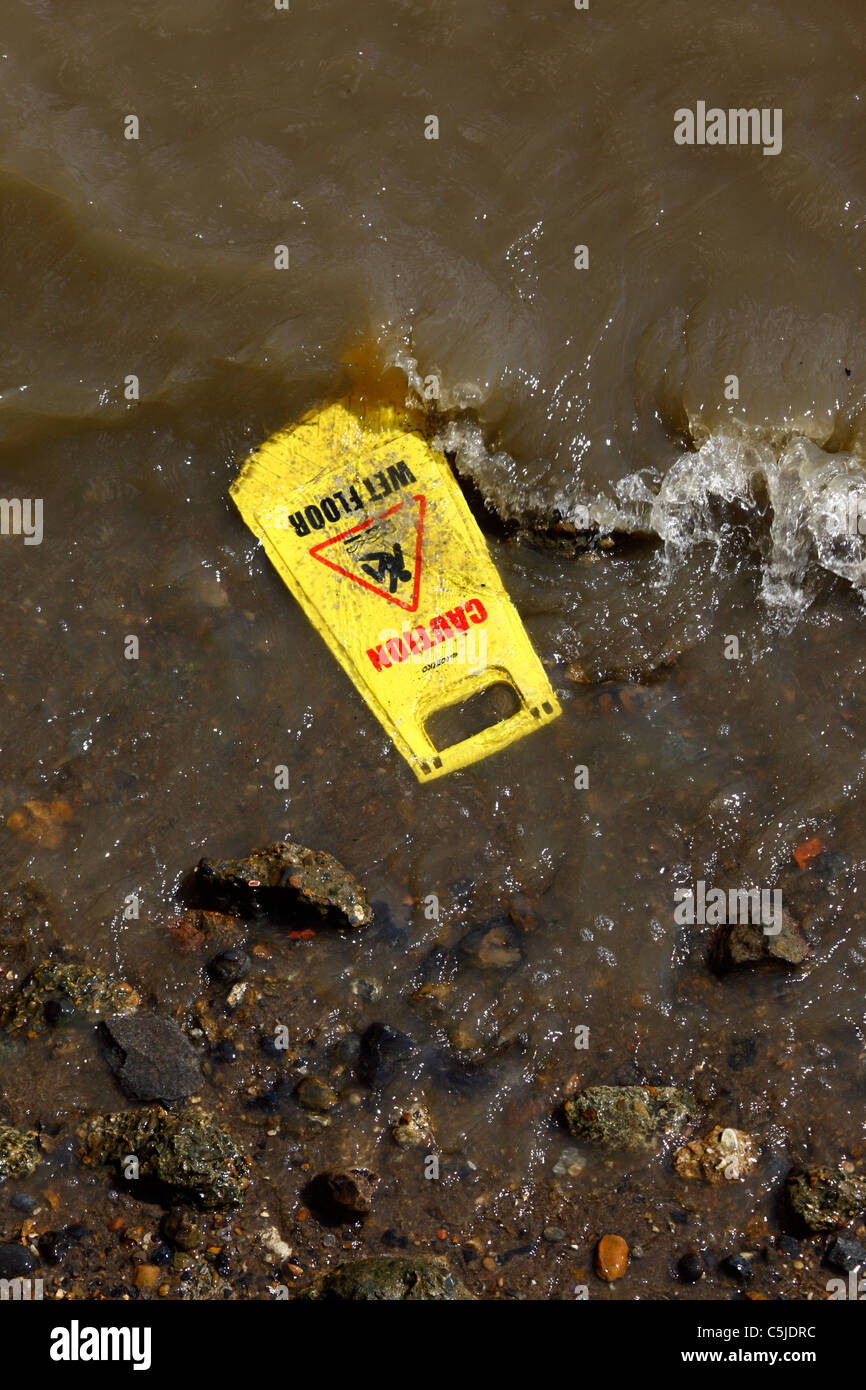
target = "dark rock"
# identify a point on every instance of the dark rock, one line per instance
(230, 966)
(495, 945)
(392, 1240)
(161, 1254)
(152, 1058)
(225, 1052)
(844, 1254)
(831, 864)
(316, 1095)
(278, 878)
(273, 1097)
(186, 1155)
(437, 966)
(54, 1246)
(741, 944)
(59, 1011)
(344, 1195)
(690, 1268)
(15, 1260)
(382, 1053)
(742, 1053)
(390, 1278)
(826, 1198)
(629, 1118)
(385, 928)
(88, 992)
(346, 1049)
(737, 1267)
(22, 1201)
(788, 1246)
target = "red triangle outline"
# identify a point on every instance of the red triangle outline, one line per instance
(362, 526)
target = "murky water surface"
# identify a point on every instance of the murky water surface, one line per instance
(554, 389)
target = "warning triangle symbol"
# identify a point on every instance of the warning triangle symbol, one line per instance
(382, 554)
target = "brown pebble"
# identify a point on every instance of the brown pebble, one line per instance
(147, 1276)
(611, 1258)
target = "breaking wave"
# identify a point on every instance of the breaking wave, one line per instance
(805, 506)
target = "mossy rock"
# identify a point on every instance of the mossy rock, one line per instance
(19, 1154)
(826, 1198)
(390, 1278)
(91, 994)
(629, 1118)
(186, 1154)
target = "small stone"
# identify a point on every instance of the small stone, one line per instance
(826, 1198)
(316, 1095)
(382, 1053)
(690, 1268)
(629, 1118)
(611, 1258)
(236, 994)
(723, 1155)
(230, 966)
(745, 944)
(275, 1245)
(147, 1276)
(737, 1267)
(207, 933)
(787, 1245)
(41, 822)
(346, 1193)
(571, 1162)
(278, 878)
(554, 1234)
(413, 1128)
(390, 1278)
(370, 990)
(495, 945)
(182, 1230)
(830, 864)
(15, 1260)
(844, 1254)
(225, 1052)
(53, 1246)
(151, 1057)
(19, 1154)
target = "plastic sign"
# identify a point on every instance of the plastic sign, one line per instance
(365, 524)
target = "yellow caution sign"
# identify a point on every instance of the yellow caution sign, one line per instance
(367, 527)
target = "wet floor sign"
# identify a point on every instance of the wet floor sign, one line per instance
(367, 527)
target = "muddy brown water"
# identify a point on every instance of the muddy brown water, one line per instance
(554, 389)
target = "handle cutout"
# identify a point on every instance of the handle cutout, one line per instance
(464, 719)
